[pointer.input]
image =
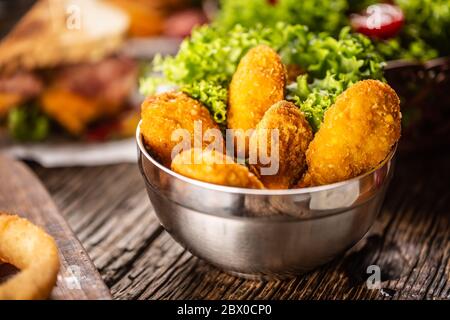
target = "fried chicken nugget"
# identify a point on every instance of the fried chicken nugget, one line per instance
(214, 167)
(163, 114)
(257, 84)
(289, 149)
(358, 132)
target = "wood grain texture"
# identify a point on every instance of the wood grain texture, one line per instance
(21, 193)
(109, 210)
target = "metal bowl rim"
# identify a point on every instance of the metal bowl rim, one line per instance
(260, 192)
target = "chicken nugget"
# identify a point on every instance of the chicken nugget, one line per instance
(214, 167)
(163, 114)
(283, 135)
(358, 132)
(257, 84)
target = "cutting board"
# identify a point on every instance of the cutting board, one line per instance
(23, 194)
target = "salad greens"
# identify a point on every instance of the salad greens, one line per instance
(27, 123)
(425, 35)
(206, 62)
(318, 15)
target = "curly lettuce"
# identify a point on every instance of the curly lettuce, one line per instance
(424, 36)
(318, 15)
(204, 66)
(206, 62)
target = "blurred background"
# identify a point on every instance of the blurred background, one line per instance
(148, 17)
(69, 102)
(87, 91)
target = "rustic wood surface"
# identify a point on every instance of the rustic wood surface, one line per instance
(108, 209)
(21, 193)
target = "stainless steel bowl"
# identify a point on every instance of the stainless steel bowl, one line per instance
(264, 233)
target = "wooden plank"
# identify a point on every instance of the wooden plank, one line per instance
(410, 241)
(21, 193)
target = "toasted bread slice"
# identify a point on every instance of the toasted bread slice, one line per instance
(57, 32)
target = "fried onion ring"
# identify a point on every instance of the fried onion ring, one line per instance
(34, 253)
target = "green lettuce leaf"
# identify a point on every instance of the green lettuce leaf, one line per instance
(206, 62)
(27, 123)
(425, 35)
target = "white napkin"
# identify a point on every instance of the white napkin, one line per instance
(52, 155)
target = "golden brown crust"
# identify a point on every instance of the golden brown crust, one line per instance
(163, 114)
(79, 95)
(358, 132)
(257, 84)
(34, 252)
(294, 136)
(214, 167)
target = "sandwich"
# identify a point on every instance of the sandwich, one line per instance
(61, 64)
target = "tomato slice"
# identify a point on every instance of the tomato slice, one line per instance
(382, 21)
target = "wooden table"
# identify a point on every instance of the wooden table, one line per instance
(108, 209)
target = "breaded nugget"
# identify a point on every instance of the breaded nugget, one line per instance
(163, 114)
(289, 149)
(257, 84)
(214, 167)
(358, 132)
